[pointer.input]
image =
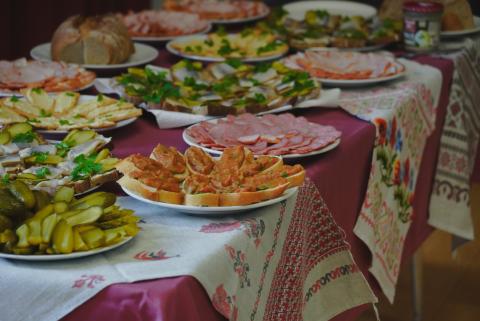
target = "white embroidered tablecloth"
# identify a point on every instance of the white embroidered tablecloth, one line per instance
(450, 202)
(288, 261)
(404, 115)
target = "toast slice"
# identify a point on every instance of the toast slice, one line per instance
(247, 198)
(198, 162)
(149, 192)
(172, 160)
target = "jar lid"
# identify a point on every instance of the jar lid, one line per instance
(423, 7)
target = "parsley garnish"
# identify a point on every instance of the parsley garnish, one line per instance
(167, 90)
(209, 42)
(64, 122)
(260, 98)
(42, 172)
(70, 94)
(225, 85)
(235, 63)
(221, 31)
(14, 99)
(225, 48)
(6, 178)
(62, 148)
(40, 157)
(271, 46)
(27, 137)
(246, 32)
(188, 49)
(37, 90)
(33, 120)
(85, 167)
(263, 67)
(190, 82)
(99, 98)
(284, 175)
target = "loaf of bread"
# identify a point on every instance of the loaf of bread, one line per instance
(92, 40)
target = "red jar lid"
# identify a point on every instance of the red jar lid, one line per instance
(423, 7)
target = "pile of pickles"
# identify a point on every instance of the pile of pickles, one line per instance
(33, 222)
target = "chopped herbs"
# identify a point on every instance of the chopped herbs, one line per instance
(64, 122)
(260, 98)
(27, 137)
(40, 157)
(14, 99)
(37, 90)
(99, 98)
(262, 67)
(271, 46)
(190, 82)
(221, 31)
(6, 179)
(85, 167)
(235, 63)
(208, 42)
(70, 94)
(42, 172)
(62, 148)
(226, 48)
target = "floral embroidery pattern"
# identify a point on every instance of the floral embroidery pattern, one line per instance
(240, 266)
(153, 256)
(225, 304)
(221, 227)
(88, 280)
(394, 172)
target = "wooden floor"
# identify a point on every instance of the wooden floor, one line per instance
(451, 285)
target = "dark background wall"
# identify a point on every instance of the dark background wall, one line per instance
(26, 23)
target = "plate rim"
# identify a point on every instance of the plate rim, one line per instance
(176, 52)
(461, 33)
(212, 211)
(154, 39)
(297, 3)
(61, 257)
(189, 141)
(243, 20)
(153, 55)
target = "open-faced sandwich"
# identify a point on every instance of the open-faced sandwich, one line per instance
(65, 110)
(80, 160)
(196, 179)
(230, 87)
(249, 44)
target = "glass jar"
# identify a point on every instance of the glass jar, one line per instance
(422, 22)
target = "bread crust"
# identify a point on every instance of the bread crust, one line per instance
(202, 199)
(151, 193)
(247, 198)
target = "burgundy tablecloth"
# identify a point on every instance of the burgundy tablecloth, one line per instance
(340, 175)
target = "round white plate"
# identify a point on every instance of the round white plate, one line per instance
(174, 51)
(154, 39)
(191, 142)
(217, 211)
(462, 33)
(242, 20)
(297, 10)
(82, 99)
(143, 54)
(58, 257)
(358, 82)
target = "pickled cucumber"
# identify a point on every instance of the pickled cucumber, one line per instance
(62, 238)
(64, 194)
(10, 206)
(20, 128)
(5, 137)
(23, 193)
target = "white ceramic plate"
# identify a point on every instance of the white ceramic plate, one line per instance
(58, 257)
(191, 142)
(297, 10)
(462, 33)
(154, 39)
(216, 211)
(242, 20)
(180, 40)
(82, 99)
(143, 54)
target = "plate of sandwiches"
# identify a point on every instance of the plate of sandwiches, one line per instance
(163, 25)
(196, 183)
(51, 76)
(221, 12)
(347, 68)
(61, 112)
(281, 135)
(252, 46)
(219, 89)
(472, 28)
(81, 160)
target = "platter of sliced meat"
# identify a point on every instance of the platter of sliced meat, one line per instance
(346, 68)
(163, 25)
(48, 75)
(280, 135)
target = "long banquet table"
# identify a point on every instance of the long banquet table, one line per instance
(340, 175)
